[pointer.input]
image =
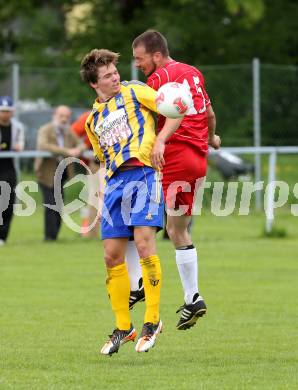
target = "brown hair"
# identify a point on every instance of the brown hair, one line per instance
(94, 60)
(153, 41)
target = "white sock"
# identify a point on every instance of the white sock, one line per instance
(187, 263)
(133, 264)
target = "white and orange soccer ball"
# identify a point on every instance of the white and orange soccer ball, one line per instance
(173, 100)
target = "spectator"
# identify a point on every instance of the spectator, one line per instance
(90, 220)
(11, 139)
(57, 138)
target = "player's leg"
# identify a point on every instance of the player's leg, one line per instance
(118, 289)
(180, 194)
(187, 264)
(151, 270)
(186, 254)
(137, 292)
(115, 233)
(146, 221)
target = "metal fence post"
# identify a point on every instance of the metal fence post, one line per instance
(133, 71)
(16, 87)
(16, 97)
(270, 199)
(257, 124)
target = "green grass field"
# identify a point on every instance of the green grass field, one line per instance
(55, 313)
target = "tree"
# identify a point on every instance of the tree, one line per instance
(56, 34)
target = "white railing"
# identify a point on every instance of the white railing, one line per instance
(272, 151)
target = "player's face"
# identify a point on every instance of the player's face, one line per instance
(144, 61)
(108, 81)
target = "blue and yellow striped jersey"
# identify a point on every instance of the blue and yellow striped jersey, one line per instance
(123, 127)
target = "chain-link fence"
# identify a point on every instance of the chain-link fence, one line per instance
(230, 88)
(54, 85)
(279, 105)
(6, 84)
(231, 92)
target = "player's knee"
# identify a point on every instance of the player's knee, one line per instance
(171, 230)
(112, 259)
(177, 235)
(145, 248)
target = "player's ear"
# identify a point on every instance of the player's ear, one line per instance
(93, 85)
(157, 57)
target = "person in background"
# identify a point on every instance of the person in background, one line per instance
(90, 220)
(55, 137)
(11, 139)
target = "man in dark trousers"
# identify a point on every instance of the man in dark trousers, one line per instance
(11, 139)
(57, 138)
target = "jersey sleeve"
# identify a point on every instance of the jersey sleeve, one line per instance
(145, 95)
(89, 127)
(206, 97)
(159, 78)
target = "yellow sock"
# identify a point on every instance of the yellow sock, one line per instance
(119, 289)
(151, 271)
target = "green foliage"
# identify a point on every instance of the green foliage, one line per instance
(227, 31)
(253, 10)
(199, 32)
(14, 8)
(279, 97)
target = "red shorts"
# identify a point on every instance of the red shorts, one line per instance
(183, 167)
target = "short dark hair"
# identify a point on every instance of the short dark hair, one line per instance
(94, 60)
(153, 41)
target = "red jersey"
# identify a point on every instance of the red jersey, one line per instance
(194, 126)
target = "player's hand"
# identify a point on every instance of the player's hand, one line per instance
(157, 153)
(74, 152)
(17, 148)
(215, 141)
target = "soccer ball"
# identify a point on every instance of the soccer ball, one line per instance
(173, 100)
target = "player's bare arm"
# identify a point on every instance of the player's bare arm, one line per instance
(169, 128)
(101, 173)
(213, 139)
